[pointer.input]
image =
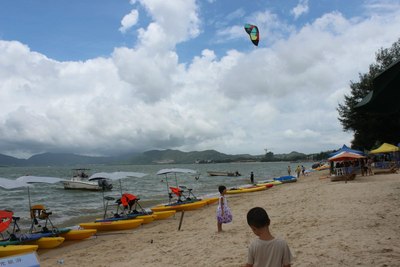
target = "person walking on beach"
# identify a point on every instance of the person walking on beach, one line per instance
(252, 177)
(303, 169)
(289, 171)
(298, 170)
(224, 214)
(266, 251)
(369, 166)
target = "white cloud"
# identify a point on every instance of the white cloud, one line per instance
(300, 9)
(271, 28)
(173, 22)
(384, 6)
(283, 96)
(128, 21)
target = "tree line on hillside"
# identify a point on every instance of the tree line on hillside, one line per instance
(295, 156)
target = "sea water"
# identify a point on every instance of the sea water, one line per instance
(74, 206)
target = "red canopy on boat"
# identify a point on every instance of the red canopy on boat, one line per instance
(5, 219)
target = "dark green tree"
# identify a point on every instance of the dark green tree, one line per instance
(269, 156)
(370, 129)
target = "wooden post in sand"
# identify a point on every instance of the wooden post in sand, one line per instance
(180, 222)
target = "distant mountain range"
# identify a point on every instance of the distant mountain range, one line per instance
(148, 157)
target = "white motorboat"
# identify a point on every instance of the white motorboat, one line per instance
(81, 180)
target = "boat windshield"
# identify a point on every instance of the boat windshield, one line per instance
(81, 173)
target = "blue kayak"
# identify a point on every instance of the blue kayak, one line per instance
(286, 179)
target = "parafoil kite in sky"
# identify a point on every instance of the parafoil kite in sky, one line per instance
(252, 30)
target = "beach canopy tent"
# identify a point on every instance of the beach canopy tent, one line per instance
(385, 94)
(385, 148)
(342, 156)
(345, 148)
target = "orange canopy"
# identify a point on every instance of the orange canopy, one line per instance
(346, 156)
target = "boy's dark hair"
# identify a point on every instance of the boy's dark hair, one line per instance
(221, 188)
(258, 217)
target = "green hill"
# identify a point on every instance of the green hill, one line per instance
(176, 156)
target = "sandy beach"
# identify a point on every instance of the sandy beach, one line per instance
(325, 223)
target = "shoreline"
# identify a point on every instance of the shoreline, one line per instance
(325, 223)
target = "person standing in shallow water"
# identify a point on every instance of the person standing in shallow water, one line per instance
(252, 177)
(289, 171)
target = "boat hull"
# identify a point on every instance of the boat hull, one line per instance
(147, 218)
(246, 190)
(78, 234)
(286, 179)
(25, 238)
(112, 225)
(75, 185)
(265, 183)
(48, 242)
(217, 173)
(180, 207)
(211, 200)
(11, 250)
(161, 215)
(348, 177)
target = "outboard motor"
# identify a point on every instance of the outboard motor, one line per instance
(105, 185)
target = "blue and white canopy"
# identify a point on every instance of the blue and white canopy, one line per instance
(12, 184)
(345, 148)
(39, 179)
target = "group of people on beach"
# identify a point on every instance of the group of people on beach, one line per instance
(266, 251)
(298, 170)
(366, 167)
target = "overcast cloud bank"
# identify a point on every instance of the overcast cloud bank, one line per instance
(282, 97)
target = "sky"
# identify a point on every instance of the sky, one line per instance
(109, 77)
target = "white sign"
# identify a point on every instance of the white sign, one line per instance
(22, 260)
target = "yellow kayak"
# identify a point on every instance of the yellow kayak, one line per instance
(112, 225)
(11, 250)
(180, 207)
(146, 218)
(269, 183)
(78, 234)
(161, 215)
(245, 190)
(48, 242)
(211, 200)
(323, 167)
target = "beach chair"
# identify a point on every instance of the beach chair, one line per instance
(39, 212)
